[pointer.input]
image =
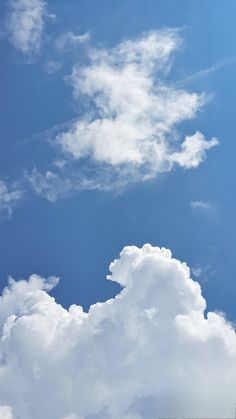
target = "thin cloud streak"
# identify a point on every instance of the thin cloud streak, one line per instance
(210, 70)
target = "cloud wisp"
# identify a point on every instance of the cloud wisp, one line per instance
(70, 39)
(150, 352)
(25, 25)
(210, 70)
(201, 206)
(9, 198)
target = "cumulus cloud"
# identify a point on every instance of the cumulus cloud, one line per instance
(152, 351)
(9, 198)
(25, 24)
(133, 111)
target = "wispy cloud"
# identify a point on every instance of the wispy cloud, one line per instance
(49, 185)
(52, 66)
(55, 185)
(201, 205)
(203, 273)
(9, 198)
(25, 25)
(197, 271)
(68, 39)
(210, 70)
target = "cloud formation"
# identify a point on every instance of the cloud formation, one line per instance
(150, 352)
(9, 198)
(133, 110)
(25, 25)
(129, 113)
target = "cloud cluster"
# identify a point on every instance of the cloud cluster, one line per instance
(9, 198)
(133, 111)
(150, 352)
(25, 25)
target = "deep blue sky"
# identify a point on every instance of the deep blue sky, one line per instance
(77, 237)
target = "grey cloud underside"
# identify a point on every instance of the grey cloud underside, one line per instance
(150, 352)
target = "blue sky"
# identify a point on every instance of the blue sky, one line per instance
(61, 238)
(117, 129)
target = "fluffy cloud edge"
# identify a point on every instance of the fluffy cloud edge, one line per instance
(151, 351)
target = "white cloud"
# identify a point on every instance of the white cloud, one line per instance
(134, 111)
(193, 151)
(9, 198)
(148, 353)
(25, 25)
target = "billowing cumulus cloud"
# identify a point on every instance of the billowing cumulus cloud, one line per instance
(133, 110)
(152, 351)
(25, 24)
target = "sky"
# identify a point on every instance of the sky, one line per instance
(117, 130)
